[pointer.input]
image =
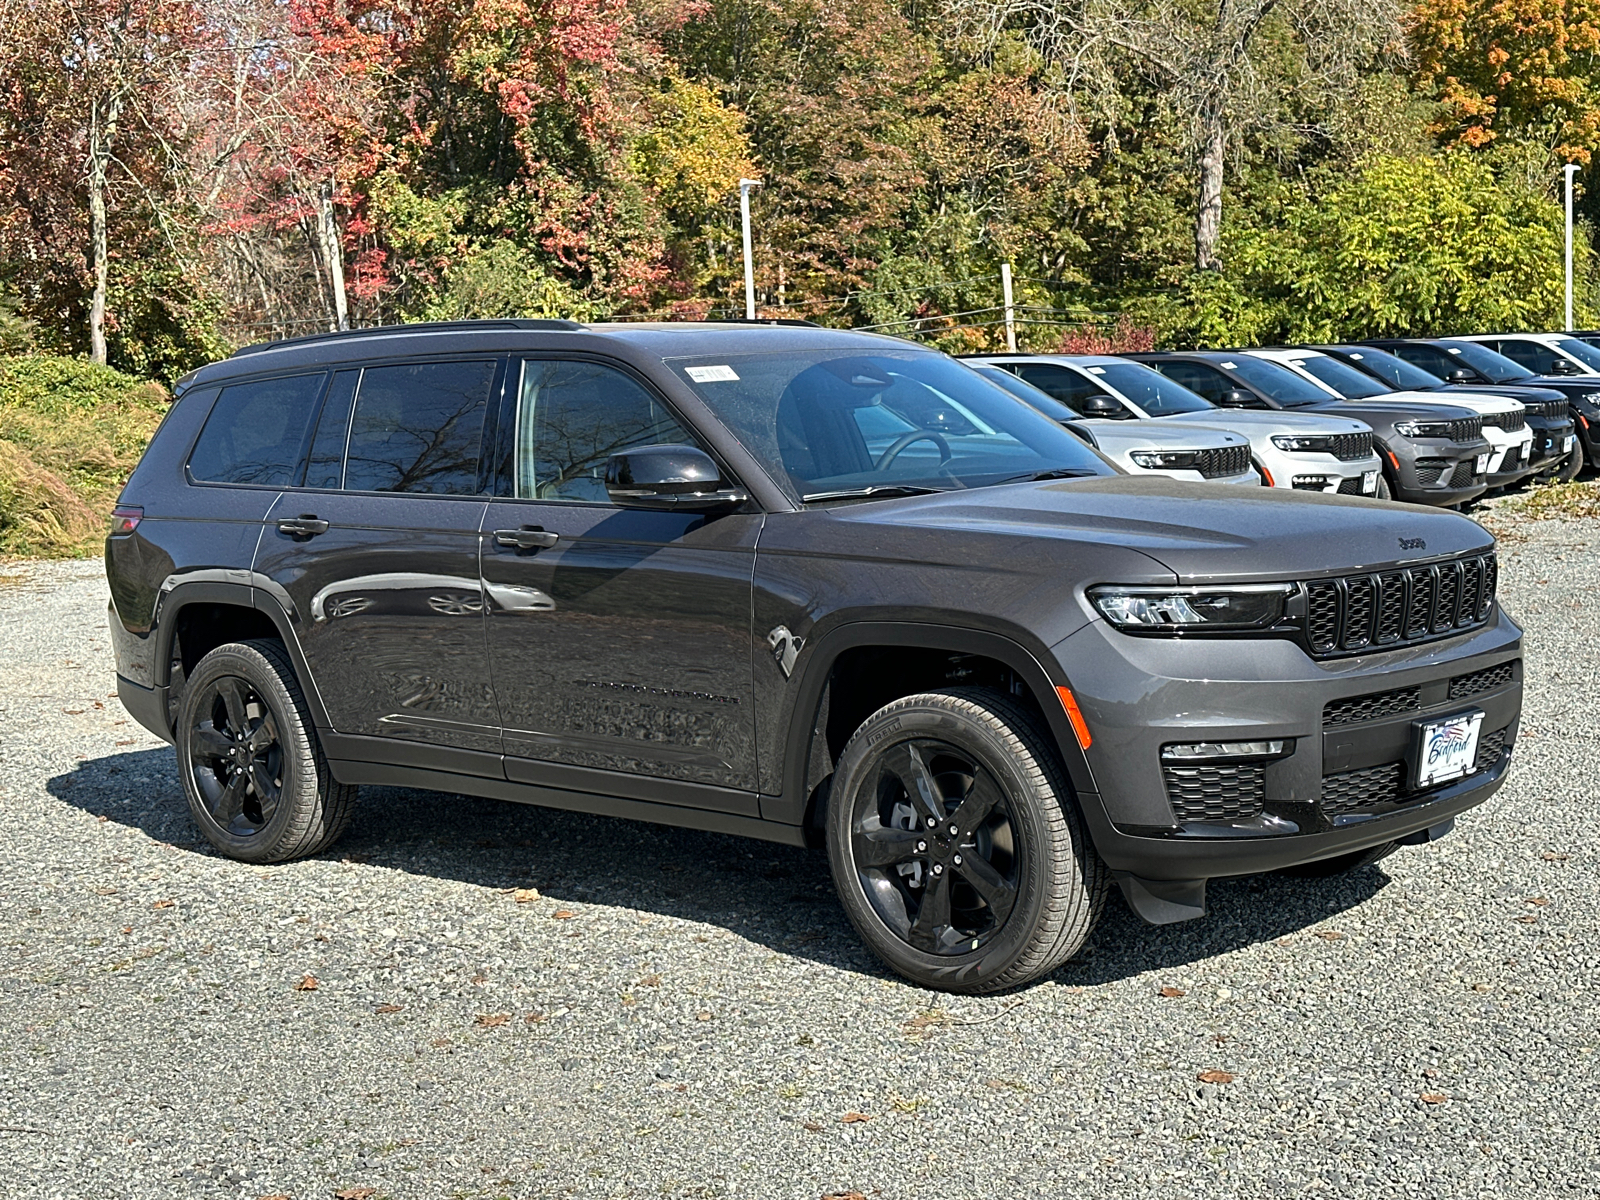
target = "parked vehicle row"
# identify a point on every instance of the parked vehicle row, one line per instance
(824, 588)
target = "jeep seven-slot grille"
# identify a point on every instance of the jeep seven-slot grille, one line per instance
(1369, 787)
(1347, 447)
(1551, 409)
(1216, 792)
(1466, 429)
(1393, 607)
(1510, 422)
(1222, 461)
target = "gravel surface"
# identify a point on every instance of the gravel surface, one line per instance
(683, 1014)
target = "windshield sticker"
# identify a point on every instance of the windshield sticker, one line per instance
(1230, 366)
(1357, 357)
(1451, 350)
(1097, 370)
(719, 374)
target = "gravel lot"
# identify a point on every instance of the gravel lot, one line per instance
(683, 1014)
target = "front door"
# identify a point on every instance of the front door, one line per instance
(619, 639)
(376, 553)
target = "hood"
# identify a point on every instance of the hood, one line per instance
(1483, 403)
(1255, 421)
(1200, 532)
(1383, 414)
(1159, 434)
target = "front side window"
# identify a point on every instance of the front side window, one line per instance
(572, 417)
(1496, 368)
(1065, 384)
(848, 421)
(1277, 381)
(1395, 371)
(1153, 392)
(1582, 351)
(1342, 377)
(418, 428)
(255, 431)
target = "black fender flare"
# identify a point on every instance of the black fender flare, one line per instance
(804, 696)
(175, 597)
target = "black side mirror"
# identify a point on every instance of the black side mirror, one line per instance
(1562, 366)
(1102, 405)
(1462, 375)
(1081, 432)
(1236, 398)
(670, 477)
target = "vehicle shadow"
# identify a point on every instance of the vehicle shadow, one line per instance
(777, 896)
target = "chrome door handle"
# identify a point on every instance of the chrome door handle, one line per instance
(529, 537)
(305, 526)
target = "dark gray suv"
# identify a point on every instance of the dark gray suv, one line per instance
(795, 584)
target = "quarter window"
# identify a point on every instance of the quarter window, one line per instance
(255, 431)
(571, 417)
(418, 428)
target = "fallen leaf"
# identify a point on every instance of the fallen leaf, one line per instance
(855, 1118)
(681, 1087)
(650, 981)
(275, 1196)
(1482, 987)
(1285, 941)
(627, 999)
(1329, 935)
(1552, 856)
(811, 1127)
(525, 895)
(308, 984)
(1172, 993)
(388, 1008)
(493, 1019)
(852, 1194)
(97, 704)
(931, 1019)
(1530, 919)
(102, 818)
(563, 914)
(1536, 901)
(702, 1016)
(1214, 1077)
(127, 929)
(129, 742)
(355, 1193)
(164, 904)
(440, 1043)
(105, 891)
(533, 1018)
(1433, 1097)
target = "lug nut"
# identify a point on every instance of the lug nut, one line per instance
(921, 847)
(954, 831)
(937, 869)
(956, 860)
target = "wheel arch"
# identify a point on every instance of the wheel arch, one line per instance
(808, 757)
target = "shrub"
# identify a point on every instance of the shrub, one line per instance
(70, 434)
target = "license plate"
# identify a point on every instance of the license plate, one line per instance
(1446, 748)
(1483, 464)
(1369, 482)
(1566, 444)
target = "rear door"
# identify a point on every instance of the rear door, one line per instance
(620, 639)
(375, 554)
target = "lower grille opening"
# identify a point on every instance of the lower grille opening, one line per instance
(1373, 787)
(1216, 791)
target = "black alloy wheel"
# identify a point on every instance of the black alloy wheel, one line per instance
(956, 845)
(235, 756)
(257, 781)
(934, 848)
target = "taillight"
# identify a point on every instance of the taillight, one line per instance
(125, 518)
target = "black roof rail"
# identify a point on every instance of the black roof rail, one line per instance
(521, 323)
(761, 321)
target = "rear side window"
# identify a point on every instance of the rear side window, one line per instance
(1061, 383)
(572, 416)
(255, 431)
(418, 428)
(1202, 380)
(1538, 358)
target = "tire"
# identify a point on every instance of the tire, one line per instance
(253, 769)
(1021, 886)
(1384, 491)
(1343, 864)
(1571, 467)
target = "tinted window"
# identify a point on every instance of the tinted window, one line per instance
(571, 417)
(1342, 377)
(824, 421)
(1429, 358)
(1278, 382)
(255, 431)
(1027, 393)
(417, 428)
(1497, 368)
(1157, 395)
(1063, 383)
(1539, 359)
(326, 466)
(1204, 381)
(1396, 372)
(1582, 351)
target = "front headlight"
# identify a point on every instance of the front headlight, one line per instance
(1166, 460)
(1303, 445)
(1180, 610)
(1423, 429)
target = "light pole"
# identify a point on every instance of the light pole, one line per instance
(1569, 170)
(745, 186)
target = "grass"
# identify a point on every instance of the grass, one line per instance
(70, 434)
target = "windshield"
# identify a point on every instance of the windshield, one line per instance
(1277, 382)
(831, 421)
(1396, 372)
(1582, 351)
(1342, 377)
(1150, 390)
(1497, 368)
(1027, 393)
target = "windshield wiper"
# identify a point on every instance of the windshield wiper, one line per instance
(880, 491)
(1053, 473)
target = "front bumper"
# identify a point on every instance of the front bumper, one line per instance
(1343, 786)
(1438, 472)
(1552, 441)
(1512, 459)
(1325, 473)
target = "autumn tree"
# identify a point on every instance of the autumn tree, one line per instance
(1225, 65)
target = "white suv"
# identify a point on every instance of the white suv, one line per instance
(1309, 452)
(1543, 353)
(1505, 421)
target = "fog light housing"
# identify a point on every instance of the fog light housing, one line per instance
(1213, 751)
(1310, 483)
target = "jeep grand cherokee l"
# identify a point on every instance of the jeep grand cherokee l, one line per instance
(731, 578)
